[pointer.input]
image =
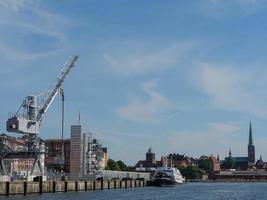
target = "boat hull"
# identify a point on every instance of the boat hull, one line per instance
(163, 182)
(165, 176)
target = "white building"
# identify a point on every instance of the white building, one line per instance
(94, 156)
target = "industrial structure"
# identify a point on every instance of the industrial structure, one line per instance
(27, 121)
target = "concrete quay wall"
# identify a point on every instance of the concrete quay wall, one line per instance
(24, 188)
(239, 176)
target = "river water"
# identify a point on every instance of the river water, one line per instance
(192, 191)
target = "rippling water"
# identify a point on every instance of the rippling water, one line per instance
(192, 191)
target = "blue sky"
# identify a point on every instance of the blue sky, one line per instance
(182, 76)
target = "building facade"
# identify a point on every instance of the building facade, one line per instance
(180, 161)
(150, 164)
(215, 163)
(19, 166)
(54, 159)
(94, 155)
(260, 164)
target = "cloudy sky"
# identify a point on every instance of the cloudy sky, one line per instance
(182, 76)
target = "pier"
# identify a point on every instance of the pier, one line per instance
(24, 187)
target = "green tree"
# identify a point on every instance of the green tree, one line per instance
(205, 164)
(122, 165)
(192, 172)
(228, 163)
(113, 165)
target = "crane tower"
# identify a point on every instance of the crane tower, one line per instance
(27, 120)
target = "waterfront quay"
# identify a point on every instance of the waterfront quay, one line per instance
(24, 187)
(239, 176)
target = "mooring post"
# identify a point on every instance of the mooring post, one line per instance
(25, 188)
(85, 186)
(66, 186)
(102, 184)
(54, 186)
(7, 188)
(94, 185)
(76, 186)
(40, 184)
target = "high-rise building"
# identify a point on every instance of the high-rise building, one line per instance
(76, 150)
(251, 147)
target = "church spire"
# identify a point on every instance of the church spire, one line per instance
(250, 142)
(251, 147)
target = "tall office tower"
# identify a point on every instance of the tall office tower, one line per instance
(76, 152)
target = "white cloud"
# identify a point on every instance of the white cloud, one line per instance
(221, 84)
(145, 109)
(234, 88)
(131, 59)
(23, 20)
(224, 127)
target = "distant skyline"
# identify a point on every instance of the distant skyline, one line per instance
(182, 76)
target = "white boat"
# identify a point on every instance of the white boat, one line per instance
(167, 176)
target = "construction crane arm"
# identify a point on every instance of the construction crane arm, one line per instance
(28, 118)
(53, 91)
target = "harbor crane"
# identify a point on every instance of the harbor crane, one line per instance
(27, 120)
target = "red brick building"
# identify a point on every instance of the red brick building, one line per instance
(215, 164)
(53, 158)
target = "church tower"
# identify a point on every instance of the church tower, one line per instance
(150, 157)
(251, 147)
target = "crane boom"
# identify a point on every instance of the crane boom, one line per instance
(29, 120)
(51, 94)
